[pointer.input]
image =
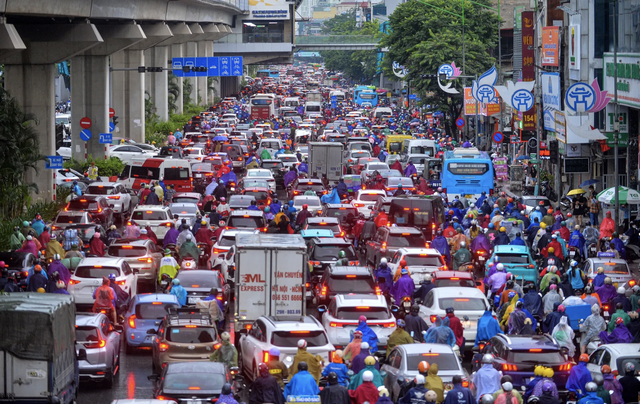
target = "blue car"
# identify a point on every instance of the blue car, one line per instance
(517, 260)
(145, 312)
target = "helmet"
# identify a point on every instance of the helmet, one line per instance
(56, 257)
(629, 367)
(204, 222)
(548, 373)
(507, 386)
(403, 263)
(225, 337)
(431, 396)
(463, 244)
(619, 320)
(342, 254)
(500, 267)
(423, 367)
(584, 358)
(449, 310)
(543, 225)
(382, 260)
(621, 290)
(302, 366)
(176, 281)
(598, 379)
(400, 323)
(427, 278)
(591, 386)
(332, 378)
(487, 358)
(537, 371)
(607, 280)
(25, 223)
(574, 263)
(383, 392)
(266, 209)
(364, 346)
(263, 368)
(415, 309)
(600, 270)
(496, 258)
(502, 230)
(419, 379)
(112, 276)
(167, 251)
(533, 400)
(367, 376)
(561, 308)
(302, 343)
(546, 387)
(369, 360)
(274, 352)
(226, 388)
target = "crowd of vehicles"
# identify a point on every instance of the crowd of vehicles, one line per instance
(293, 220)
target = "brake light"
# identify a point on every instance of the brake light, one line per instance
(632, 283)
(323, 292)
(98, 344)
(481, 346)
(358, 205)
(430, 354)
(265, 356)
(191, 326)
(455, 279)
(132, 321)
(247, 327)
(535, 350)
(147, 260)
(163, 347)
(378, 291)
(336, 325)
(351, 276)
(353, 263)
(383, 246)
(116, 197)
(509, 367)
(165, 398)
(565, 367)
(156, 303)
(120, 283)
(127, 247)
(73, 282)
(433, 318)
(461, 300)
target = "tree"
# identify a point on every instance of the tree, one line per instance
(360, 66)
(20, 153)
(422, 38)
(173, 91)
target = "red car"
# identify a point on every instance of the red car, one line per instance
(262, 195)
(456, 278)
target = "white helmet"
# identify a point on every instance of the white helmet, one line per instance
(621, 290)
(487, 358)
(383, 261)
(367, 376)
(419, 379)
(500, 267)
(428, 277)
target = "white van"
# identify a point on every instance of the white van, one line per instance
(291, 102)
(145, 170)
(419, 146)
(382, 113)
(313, 108)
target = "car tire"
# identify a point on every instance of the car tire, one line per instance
(108, 380)
(129, 349)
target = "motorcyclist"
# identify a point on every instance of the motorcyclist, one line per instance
(353, 347)
(546, 385)
(417, 395)
(440, 243)
(622, 298)
(223, 208)
(303, 215)
(220, 191)
(104, 298)
(497, 280)
(456, 327)
(589, 297)
(591, 394)
(415, 324)
(168, 265)
(383, 276)
(533, 301)
(399, 336)
(579, 376)
(441, 333)
(403, 287)
(227, 353)
(365, 392)
(463, 255)
(53, 247)
(313, 363)
(178, 291)
(607, 292)
(599, 278)
(607, 227)
(334, 392)
(459, 394)
(425, 287)
(487, 378)
(488, 327)
(630, 384)
(602, 393)
(591, 327)
(338, 368)
(131, 231)
(518, 240)
(265, 388)
(552, 274)
(635, 298)
(564, 335)
(537, 373)
(612, 384)
(189, 248)
(502, 238)
(302, 383)
(342, 259)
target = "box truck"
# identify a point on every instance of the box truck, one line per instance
(326, 158)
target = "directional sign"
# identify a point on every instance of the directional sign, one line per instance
(177, 64)
(54, 162)
(190, 62)
(498, 137)
(225, 66)
(85, 134)
(202, 62)
(85, 123)
(112, 127)
(112, 112)
(106, 138)
(334, 101)
(236, 66)
(214, 66)
(460, 123)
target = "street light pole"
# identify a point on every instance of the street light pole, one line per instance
(616, 121)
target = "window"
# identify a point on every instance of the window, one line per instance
(410, 240)
(291, 338)
(429, 302)
(549, 357)
(595, 357)
(445, 361)
(251, 222)
(145, 172)
(340, 284)
(150, 215)
(126, 251)
(153, 311)
(395, 360)
(205, 381)
(100, 190)
(176, 174)
(462, 303)
(468, 168)
(354, 313)
(423, 260)
(330, 252)
(93, 272)
(197, 335)
(84, 333)
(126, 268)
(606, 358)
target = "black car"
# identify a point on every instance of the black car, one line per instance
(192, 382)
(19, 263)
(343, 281)
(277, 169)
(324, 252)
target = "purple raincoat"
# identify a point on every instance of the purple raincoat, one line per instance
(607, 293)
(57, 266)
(403, 287)
(289, 177)
(620, 335)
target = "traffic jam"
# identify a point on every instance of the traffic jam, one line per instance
(311, 240)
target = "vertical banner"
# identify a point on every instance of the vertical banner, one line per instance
(551, 46)
(574, 46)
(528, 72)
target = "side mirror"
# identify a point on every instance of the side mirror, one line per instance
(322, 308)
(136, 270)
(82, 355)
(394, 308)
(152, 332)
(153, 378)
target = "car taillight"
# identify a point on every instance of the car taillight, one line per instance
(166, 398)
(147, 260)
(116, 197)
(73, 282)
(509, 367)
(120, 283)
(605, 307)
(481, 346)
(98, 344)
(632, 283)
(353, 263)
(132, 321)
(163, 347)
(335, 324)
(383, 246)
(265, 356)
(168, 224)
(378, 291)
(565, 367)
(358, 205)
(99, 210)
(323, 292)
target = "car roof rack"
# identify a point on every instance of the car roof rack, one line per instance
(191, 314)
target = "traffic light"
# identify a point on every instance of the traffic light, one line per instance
(553, 152)
(59, 135)
(114, 120)
(151, 69)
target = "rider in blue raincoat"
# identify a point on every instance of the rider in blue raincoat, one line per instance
(367, 334)
(441, 333)
(302, 383)
(333, 197)
(229, 177)
(488, 327)
(577, 240)
(579, 376)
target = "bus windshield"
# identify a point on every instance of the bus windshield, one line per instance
(468, 178)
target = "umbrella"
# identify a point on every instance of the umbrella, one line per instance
(589, 182)
(625, 194)
(520, 158)
(576, 192)
(219, 138)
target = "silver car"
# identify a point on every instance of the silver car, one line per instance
(98, 348)
(616, 269)
(402, 366)
(187, 211)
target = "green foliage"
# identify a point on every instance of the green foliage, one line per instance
(360, 66)
(106, 168)
(19, 154)
(173, 92)
(422, 38)
(48, 211)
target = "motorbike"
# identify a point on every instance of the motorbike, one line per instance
(203, 261)
(480, 258)
(165, 281)
(565, 203)
(632, 251)
(403, 308)
(592, 250)
(465, 267)
(188, 263)
(546, 190)
(574, 253)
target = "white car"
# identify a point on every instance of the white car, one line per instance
(268, 332)
(340, 318)
(223, 251)
(185, 210)
(288, 160)
(272, 145)
(616, 356)
(67, 175)
(117, 196)
(158, 217)
(372, 166)
(418, 161)
(420, 261)
(366, 198)
(193, 154)
(126, 152)
(66, 219)
(469, 302)
(313, 201)
(89, 273)
(262, 173)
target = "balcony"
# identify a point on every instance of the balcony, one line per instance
(253, 43)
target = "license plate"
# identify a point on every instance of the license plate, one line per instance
(193, 300)
(481, 258)
(572, 253)
(468, 196)
(197, 175)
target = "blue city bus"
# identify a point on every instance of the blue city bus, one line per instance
(467, 177)
(365, 96)
(272, 73)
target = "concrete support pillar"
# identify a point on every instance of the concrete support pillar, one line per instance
(205, 49)
(34, 88)
(128, 94)
(90, 97)
(192, 51)
(177, 52)
(157, 82)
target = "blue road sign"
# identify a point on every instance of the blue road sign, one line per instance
(106, 138)
(460, 122)
(334, 101)
(202, 62)
(225, 66)
(112, 127)
(177, 64)
(236, 66)
(190, 62)
(213, 63)
(85, 134)
(498, 137)
(54, 162)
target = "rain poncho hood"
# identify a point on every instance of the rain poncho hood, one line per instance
(551, 301)
(563, 333)
(578, 378)
(368, 336)
(440, 244)
(356, 380)
(333, 197)
(441, 334)
(487, 380)
(434, 382)
(301, 384)
(488, 327)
